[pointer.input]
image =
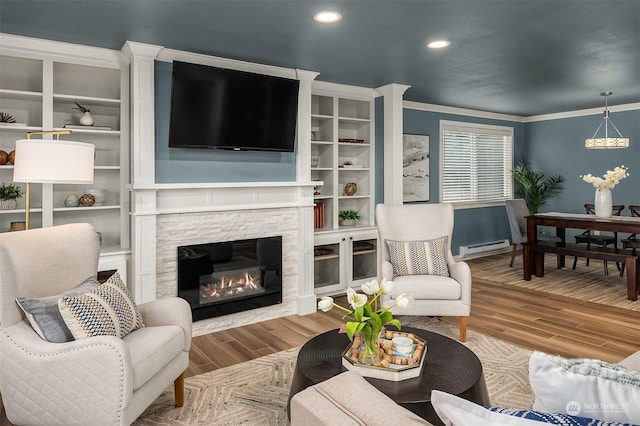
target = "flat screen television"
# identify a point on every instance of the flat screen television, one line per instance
(220, 108)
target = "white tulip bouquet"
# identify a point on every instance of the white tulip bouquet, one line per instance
(365, 316)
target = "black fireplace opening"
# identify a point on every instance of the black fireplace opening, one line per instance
(223, 278)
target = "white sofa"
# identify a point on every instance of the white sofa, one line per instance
(348, 399)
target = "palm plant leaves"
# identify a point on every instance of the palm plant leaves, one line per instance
(535, 187)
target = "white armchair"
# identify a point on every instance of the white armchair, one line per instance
(97, 380)
(434, 295)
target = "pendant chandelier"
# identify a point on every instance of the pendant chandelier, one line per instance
(606, 142)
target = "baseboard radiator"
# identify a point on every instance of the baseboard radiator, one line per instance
(484, 249)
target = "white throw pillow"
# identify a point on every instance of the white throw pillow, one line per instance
(584, 387)
(455, 411)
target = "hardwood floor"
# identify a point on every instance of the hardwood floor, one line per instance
(527, 318)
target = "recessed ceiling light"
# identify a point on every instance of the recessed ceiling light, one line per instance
(327, 17)
(439, 44)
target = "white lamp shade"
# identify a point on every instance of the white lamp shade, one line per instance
(53, 161)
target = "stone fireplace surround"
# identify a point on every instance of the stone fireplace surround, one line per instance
(185, 214)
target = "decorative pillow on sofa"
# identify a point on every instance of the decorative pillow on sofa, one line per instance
(456, 411)
(109, 310)
(553, 418)
(584, 387)
(419, 257)
(44, 316)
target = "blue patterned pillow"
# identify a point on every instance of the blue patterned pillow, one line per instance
(109, 310)
(554, 418)
(419, 257)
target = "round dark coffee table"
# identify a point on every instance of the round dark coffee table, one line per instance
(448, 366)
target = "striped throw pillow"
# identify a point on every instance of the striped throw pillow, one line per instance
(108, 310)
(419, 257)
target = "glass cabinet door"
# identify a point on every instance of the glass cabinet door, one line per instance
(364, 259)
(326, 267)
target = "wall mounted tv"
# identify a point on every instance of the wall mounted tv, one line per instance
(220, 108)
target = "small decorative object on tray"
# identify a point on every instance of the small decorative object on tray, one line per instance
(12, 157)
(400, 356)
(350, 188)
(87, 200)
(4, 157)
(351, 140)
(366, 321)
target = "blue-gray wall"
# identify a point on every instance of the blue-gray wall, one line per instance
(474, 225)
(178, 165)
(557, 147)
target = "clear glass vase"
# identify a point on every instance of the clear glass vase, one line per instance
(369, 350)
(369, 356)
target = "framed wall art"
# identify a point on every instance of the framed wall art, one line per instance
(415, 168)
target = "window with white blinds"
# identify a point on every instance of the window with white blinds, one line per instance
(476, 162)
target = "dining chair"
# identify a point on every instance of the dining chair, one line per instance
(590, 237)
(517, 211)
(632, 241)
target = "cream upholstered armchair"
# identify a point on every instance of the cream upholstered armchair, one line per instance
(101, 380)
(440, 286)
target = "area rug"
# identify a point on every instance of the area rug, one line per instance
(587, 283)
(256, 392)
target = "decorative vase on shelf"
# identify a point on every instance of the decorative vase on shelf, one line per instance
(86, 119)
(9, 204)
(603, 203)
(72, 200)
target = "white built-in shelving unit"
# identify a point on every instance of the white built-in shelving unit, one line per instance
(342, 154)
(40, 81)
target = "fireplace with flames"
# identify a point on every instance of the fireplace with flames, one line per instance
(227, 277)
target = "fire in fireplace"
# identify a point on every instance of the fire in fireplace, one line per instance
(227, 277)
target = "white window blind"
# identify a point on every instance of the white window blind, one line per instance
(476, 162)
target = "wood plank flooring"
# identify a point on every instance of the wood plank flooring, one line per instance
(527, 318)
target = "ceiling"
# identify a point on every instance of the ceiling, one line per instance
(522, 57)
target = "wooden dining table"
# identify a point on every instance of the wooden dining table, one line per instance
(534, 249)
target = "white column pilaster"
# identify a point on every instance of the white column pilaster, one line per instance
(142, 137)
(393, 129)
(306, 299)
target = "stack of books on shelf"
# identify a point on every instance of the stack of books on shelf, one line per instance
(318, 215)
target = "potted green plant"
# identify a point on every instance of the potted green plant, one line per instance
(535, 187)
(9, 195)
(348, 217)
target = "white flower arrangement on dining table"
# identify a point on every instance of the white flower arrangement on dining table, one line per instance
(609, 180)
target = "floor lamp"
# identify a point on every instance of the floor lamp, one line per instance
(51, 161)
